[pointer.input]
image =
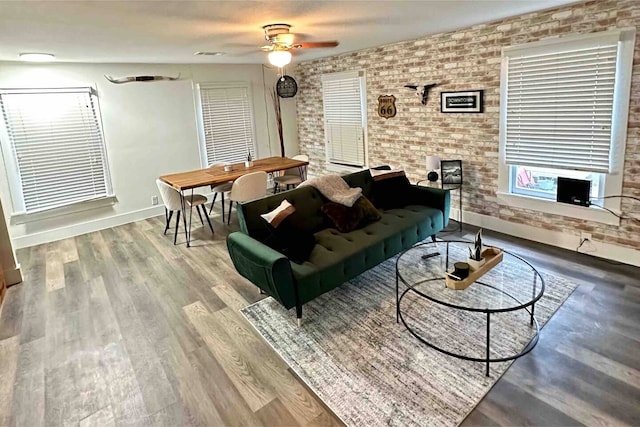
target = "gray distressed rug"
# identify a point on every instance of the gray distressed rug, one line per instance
(372, 372)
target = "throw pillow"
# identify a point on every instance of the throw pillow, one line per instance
(276, 216)
(290, 241)
(348, 219)
(285, 236)
(390, 189)
(382, 174)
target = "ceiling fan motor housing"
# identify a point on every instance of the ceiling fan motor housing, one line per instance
(272, 32)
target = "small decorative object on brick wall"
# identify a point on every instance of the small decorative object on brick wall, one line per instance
(461, 102)
(424, 93)
(387, 106)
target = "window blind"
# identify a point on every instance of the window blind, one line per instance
(344, 133)
(57, 144)
(559, 107)
(227, 124)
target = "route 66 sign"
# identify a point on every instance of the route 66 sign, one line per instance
(387, 106)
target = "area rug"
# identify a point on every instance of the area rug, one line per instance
(370, 371)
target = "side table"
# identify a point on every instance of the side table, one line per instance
(449, 187)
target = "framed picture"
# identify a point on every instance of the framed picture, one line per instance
(451, 171)
(461, 102)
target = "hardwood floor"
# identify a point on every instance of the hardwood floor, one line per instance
(120, 327)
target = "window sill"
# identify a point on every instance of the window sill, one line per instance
(551, 207)
(23, 218)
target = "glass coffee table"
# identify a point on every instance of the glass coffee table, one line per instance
(459, 322)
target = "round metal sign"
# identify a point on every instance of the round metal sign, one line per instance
(286, 87)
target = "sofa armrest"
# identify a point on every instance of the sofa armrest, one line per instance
(264, 267)
(436, 198)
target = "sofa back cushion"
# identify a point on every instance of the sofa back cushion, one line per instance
(361, 179)
(308, 203)
(390, 190)
(307, 217)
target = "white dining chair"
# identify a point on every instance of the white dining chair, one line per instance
(172, 200)
(248, 187)
(293, 176)
(221, 189)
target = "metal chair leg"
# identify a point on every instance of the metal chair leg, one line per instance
(200, 215)
(208, 221)
(222, 204)
(230, 209)
(175, 237)
(214, 200)
(167, 216)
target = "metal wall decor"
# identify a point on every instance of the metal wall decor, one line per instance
(469, 101)
(422, 93)
(286, 87)
(140, 79)
(387, 106)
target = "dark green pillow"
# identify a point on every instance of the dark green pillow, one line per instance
(347, 218)
(290, 241)
(391, 190)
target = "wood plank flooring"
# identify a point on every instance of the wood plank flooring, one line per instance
(120, 327)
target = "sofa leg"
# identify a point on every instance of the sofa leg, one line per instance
(433, 237)
(299, 314)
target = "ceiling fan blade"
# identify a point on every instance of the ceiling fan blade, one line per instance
(311, 45)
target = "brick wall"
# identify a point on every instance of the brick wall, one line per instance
(464, 60)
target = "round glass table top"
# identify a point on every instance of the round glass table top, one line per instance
(511, 285)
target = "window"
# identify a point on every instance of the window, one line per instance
(226, 123)
(343, 98)
(54, 149)
(564, 107)
(543, 182)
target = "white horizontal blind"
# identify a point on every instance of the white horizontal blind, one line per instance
(227, 124)
(58, 147)
(344, 133)
(559, 107)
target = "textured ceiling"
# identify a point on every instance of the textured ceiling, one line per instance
(171, 31)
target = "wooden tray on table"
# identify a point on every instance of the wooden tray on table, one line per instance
(492, 255)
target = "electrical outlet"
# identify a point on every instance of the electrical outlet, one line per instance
(154, 200)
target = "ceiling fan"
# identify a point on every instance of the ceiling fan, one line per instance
(281, 41)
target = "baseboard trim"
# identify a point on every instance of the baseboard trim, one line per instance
(553, 238)
(85, 227)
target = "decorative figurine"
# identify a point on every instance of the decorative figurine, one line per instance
(475, 254)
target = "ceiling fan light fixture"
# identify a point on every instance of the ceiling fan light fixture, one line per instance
(37, 57)
(279, 58)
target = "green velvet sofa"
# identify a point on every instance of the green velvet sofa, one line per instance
(336, 257)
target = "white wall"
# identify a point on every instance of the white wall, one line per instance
(150, 130)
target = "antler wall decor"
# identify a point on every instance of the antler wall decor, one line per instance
(424, 93)
(140, 79)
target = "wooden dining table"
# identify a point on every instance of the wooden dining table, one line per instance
(215, 175)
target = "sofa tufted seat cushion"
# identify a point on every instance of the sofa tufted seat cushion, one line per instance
(342, 256)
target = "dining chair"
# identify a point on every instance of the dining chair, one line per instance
(172, 200)
(221, 189)
(248, 187)
(293, 176)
